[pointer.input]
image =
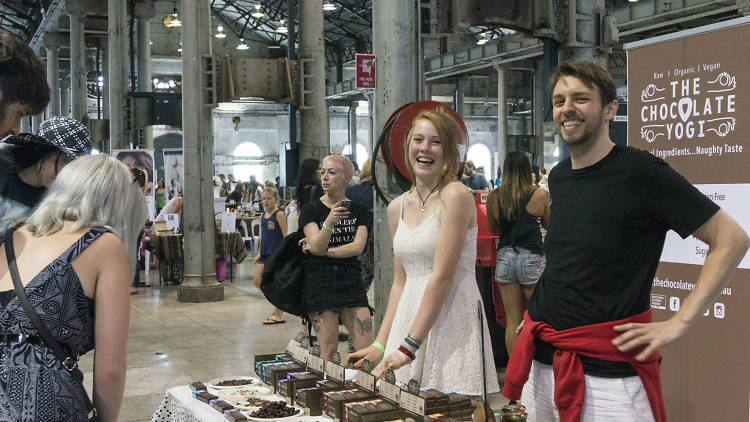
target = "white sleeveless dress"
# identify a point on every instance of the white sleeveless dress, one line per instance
(450, 358)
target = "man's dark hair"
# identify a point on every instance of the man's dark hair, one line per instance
(22, 75)
(591, 74)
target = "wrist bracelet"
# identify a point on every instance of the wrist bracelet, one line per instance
(327, 227)
(411, 343)
(378, 346)
(406, 351)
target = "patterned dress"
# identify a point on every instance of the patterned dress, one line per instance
(34, 386)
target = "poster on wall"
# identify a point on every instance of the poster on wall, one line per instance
(689, 98)
(142, 159)
(174, 171)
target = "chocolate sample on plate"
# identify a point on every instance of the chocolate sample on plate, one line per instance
(204, 396)
(197, 386)
(235, 383)
(274, 410)
(234, 415)
(221, 405)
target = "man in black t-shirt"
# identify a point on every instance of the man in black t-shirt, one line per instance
(611, 209)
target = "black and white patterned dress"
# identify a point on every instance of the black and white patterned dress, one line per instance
(34, 386)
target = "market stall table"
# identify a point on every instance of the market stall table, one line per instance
(180, 406)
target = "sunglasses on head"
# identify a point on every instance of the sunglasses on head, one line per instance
(138, 177)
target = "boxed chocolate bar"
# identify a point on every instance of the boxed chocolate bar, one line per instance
(310, 399)
(434, 401)
(335, 400)
(234, 416)
(197, 386)
(274, 373)
(372, 411)
(221, 405)
(204, 396)
(298, 380)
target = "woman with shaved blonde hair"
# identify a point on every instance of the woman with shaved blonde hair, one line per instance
(335, 235)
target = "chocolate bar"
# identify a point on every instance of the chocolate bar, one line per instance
(371, 411)
(310, 399)
(197, 386)
(221, 405)
(234, 415)
(276, 373)
(204, 396)
(335, 400)
(434, 401)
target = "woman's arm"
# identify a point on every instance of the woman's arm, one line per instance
(493, 212)
(354, 248)
(112, 316)
(399, 279)
(538, 206)
(459, 210)
(317, 239)
(281, 221)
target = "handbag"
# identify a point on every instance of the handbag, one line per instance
(69, 362)
(283, 278)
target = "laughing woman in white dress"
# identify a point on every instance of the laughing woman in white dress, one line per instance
(430, 331)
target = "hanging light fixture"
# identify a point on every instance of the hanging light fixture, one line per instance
(329, 6)
(220, 32)
(242, 45)
(258, 12)
(282, 29)
(173, 20)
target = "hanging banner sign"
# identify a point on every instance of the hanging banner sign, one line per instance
(365, 71)
(688, 102)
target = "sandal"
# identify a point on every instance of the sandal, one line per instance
(271, 321)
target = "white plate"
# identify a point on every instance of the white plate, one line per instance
(238, 393)
(287, 418)
(254, 382)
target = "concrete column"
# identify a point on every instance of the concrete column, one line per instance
(502, 116)
(538, 113)
(314, 135)
(65, 96)
(115, 44)
(394, 42)
(105, 81)
(52, 44)
(77, 65)
(144, 12)
(582, 38)
(200, 283)
(459, 96)
(353, 129)
(35, 121)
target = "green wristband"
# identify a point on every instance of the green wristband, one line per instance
(327, 227)
(378, 346)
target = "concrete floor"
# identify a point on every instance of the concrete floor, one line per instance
(171, 343)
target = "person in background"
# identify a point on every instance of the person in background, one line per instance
(224, 187)
(30, 162)
(475, 180)
(498, 178)
(273, 228)
(430, 331)
(279, 188)
(515, 210)
(23, 83)
(590, 316)
(74, 254)
(363, 191)
(160, 195)
(335, 231)
(308, 189)
(236, 194)
(543, 182)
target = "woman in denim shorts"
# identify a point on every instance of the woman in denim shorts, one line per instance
(515, 210)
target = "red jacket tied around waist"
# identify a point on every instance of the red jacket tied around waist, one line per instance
(594, 341)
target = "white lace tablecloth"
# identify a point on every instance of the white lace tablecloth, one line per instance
(180, 406)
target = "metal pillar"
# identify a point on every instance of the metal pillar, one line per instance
(114, 77)
(52, 44)
(77, 65)
(313, 114)
(289, 175)
(144, 15)
(105, 80)
(353, 129)
(394, 43)
(458, 97)
(538, 113)
(65, 96)
(581, 43)
(35, 121)
(502, 117)
(200, 283)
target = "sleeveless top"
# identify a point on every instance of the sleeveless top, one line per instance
(270, 234)
(34, 386)
(522, 232)
(450, 358)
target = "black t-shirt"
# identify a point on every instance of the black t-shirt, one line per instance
(607, 225)
(344, 231)
(17, 199)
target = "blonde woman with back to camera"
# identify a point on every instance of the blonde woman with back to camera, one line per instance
(75, 257)
(430, 331)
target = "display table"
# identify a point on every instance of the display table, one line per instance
(180, 406)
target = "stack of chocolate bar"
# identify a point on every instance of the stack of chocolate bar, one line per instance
(459, 406)
(371, 411)
(434, 401)
(294, 380)
(204, 396)
(334, 401)
(274, 372)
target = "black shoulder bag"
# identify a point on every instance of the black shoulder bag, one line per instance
(69, 362)
(283, 279)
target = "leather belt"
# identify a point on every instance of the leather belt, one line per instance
(20, 338)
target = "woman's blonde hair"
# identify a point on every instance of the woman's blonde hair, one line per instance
(516, 182)
(447, 129)
(94, 191)
(366, 173)
(346, 165)
(271, 191)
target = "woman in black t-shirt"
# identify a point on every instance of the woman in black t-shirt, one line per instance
(515, 210)
(335, 235)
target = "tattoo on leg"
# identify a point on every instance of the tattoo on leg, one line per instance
(315, 324)
(362, 326)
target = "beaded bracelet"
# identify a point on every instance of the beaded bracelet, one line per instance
(411, 343)
(406, 351)
(378, 346)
